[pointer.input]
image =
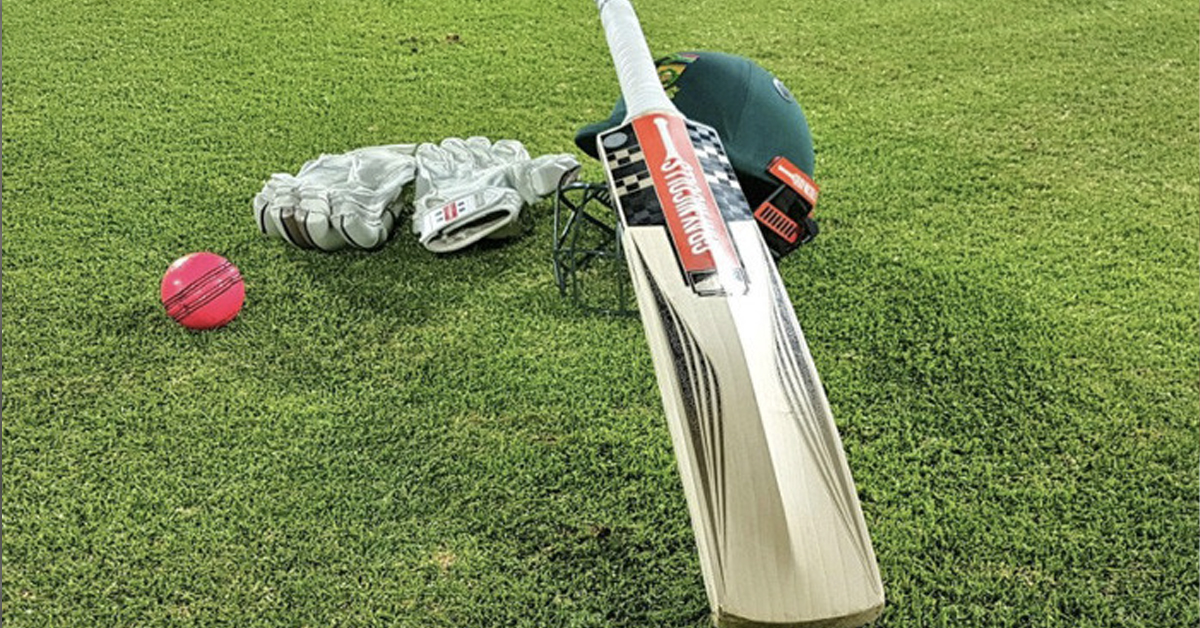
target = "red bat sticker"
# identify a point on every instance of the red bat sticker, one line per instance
(693, 219)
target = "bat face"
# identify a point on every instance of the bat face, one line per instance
(780, 533)
(668, 171)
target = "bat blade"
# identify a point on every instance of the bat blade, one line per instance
(780, 532)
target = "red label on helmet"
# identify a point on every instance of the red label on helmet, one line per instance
(794, 178)
(774, 219)
(693, 218)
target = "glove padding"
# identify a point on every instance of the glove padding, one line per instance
(338, 200)
(471, 189)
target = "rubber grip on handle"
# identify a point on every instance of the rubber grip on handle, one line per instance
(631, 56)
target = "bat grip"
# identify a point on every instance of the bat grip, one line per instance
(635, 67)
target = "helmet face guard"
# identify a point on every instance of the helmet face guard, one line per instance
(589, 264)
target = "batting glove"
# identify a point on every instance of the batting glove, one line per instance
(338, 200)
(472, 189)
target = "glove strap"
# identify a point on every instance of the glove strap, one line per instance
(464, 221)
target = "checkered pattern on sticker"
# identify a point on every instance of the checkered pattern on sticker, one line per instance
(627, 185)
(633, 185)
(710, 151)
(641, 208)
(625, 156)
(720, 176)
(706, 141)
(719, 173)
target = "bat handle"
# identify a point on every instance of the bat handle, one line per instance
(635, 67)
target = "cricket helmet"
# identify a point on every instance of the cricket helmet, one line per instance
(764, 131)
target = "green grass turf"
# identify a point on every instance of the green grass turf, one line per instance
(1003, 305)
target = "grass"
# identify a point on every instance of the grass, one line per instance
(1002, 304)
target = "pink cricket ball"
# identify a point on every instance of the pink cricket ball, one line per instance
(203, 291)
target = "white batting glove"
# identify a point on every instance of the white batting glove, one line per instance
(472, 189)
(338, 200)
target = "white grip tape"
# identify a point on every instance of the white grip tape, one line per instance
(635, 67)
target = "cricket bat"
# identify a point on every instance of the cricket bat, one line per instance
(778, 525)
